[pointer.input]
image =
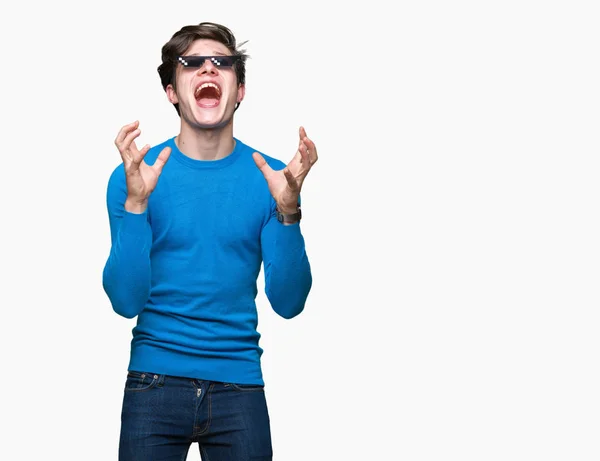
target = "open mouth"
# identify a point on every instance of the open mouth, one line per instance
(208, 94)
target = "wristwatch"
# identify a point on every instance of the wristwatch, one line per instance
(289, 218)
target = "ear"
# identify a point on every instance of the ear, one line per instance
(241, 93)
(171, 94)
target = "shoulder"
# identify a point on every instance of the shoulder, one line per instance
(152, 154)
(247, 151)
(117, 175)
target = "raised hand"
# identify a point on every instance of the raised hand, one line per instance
(141, 178)
(285, 184)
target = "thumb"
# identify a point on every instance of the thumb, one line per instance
(262, 164)
(159, 163)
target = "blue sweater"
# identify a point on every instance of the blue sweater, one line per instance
(188, 266)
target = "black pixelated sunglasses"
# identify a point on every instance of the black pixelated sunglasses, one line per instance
(198, 61)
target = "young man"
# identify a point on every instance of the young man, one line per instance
(191, 221)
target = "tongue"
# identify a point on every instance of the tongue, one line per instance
(208, 102)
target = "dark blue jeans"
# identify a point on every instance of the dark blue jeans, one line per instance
(163, 415)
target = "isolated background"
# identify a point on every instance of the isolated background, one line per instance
(451, 222)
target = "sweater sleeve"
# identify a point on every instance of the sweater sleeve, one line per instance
(288, 277)
(126, 275)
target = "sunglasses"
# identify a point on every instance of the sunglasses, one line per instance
(198, 61)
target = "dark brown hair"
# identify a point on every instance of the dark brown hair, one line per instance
(183, 39)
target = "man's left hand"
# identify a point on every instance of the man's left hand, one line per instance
(285, 184)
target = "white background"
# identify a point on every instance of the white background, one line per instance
(451, 222)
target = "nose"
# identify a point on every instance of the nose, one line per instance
(208, 67)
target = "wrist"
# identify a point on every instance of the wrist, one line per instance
(136, 206)
(287, 210)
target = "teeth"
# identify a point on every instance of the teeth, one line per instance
(207, 85)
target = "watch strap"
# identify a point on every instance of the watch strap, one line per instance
(289, 218)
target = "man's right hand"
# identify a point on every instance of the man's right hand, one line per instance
(141, 178)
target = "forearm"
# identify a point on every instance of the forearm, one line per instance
(288, 277)
(127, 273)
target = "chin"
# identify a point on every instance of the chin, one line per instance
(211, 122)
(209, 117)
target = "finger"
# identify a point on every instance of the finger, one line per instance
(128, 145)
(292, 183)
(312, 150)
(125, 131)
(131, 162)
(143, 151)
(305, 157)
(302, 133)
(161, 160)
(262, 164)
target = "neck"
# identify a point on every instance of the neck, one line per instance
(205, 144)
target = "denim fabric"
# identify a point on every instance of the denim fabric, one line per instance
(163, 415)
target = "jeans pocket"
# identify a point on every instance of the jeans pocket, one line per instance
(247, 387)
(140, 381)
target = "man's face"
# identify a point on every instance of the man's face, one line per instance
(206, 95)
